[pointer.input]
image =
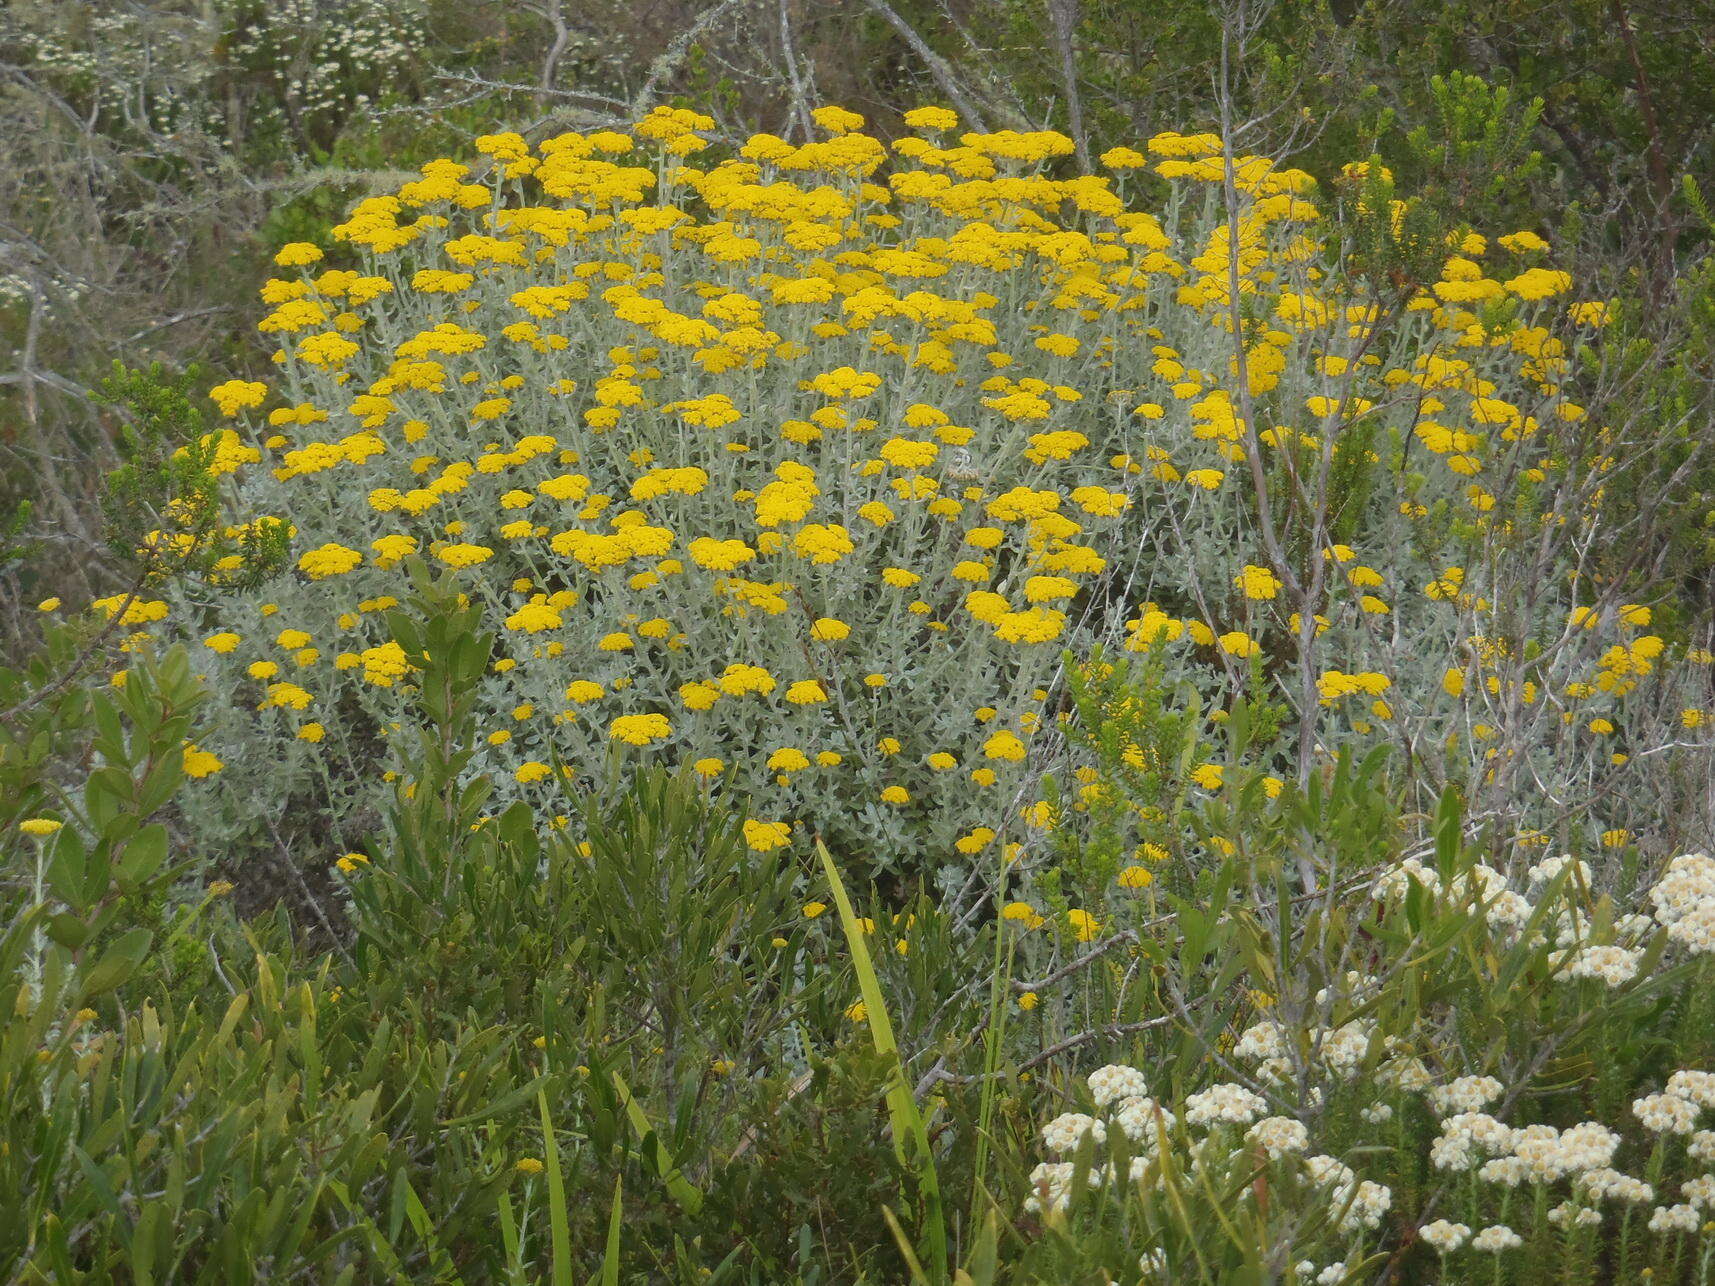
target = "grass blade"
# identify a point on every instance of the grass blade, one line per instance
(559, 1230)
(902, 1111)
(610, 1258)
(681, 1189)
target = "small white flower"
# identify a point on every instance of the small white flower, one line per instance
(1466, 1094)
(1697, 1086)
(1278, 1135)
(1443, 1236)
(1406, 1074)
(1614, 966)
(1549, 867)
(1369, 1204)
(1496, 1238)
(1264, 1040)
(1224, 1104)
(1509, 911)
(1064, 1132)
(1509, 1170)
(1675, 1219)
(1605, 1182)
(1141, 1119)
(1702, 1146)
(1051, 1186)
(1343, 1050)
(1329, 1171)
(1115, 1082)
(1665, 1113)
(1569, 1215)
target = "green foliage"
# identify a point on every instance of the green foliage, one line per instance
(1472, 155)
(163, 504)
(109, 867)
(632, 1060)
(910, 1139)
(595, 1037)
(363, 1113)
(16, 544)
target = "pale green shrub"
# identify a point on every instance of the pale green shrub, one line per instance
(672, 420)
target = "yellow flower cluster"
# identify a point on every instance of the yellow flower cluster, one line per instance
(860, 436)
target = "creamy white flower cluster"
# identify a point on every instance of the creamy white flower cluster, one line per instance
(1466, 1094)
(1496, 1238)
(1340, 1051)
(1605, 1183)
(1065, 1132)
(1116, 1082)
(1467, 1136)
(1680, 1218)
(1405, 1072)
(1569, 1214)
(1675, 1110)
(1051, 1185)
(1613, 965)
(1532, 1154)
(1124, 1092)
(1582, 1154)
(1278, 1136)
(1224, 1104)
(1121, 1092)
(1446, 1237)
(1360, 1202)
(1684, 901)
(1505, 910)
(1328, 1276)
(1550, 867)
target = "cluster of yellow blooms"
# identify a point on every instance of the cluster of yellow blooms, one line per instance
(807, 464)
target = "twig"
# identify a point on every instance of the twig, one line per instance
(675, 53)
(82, 658)
(315, 905)
(936, 64)
(937, 1074)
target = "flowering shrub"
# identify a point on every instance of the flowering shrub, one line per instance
(1441, 1061)
(300, 67)
(1538, 1108)
(806, 466)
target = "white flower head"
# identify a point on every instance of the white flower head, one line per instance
(1224, 1104)
(1065, 1132)
(1443, 1236)
(1496, 1238)
(1115, 1082)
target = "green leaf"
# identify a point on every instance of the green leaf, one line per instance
(117, 963)
(143, 856)
(1447, 833)
(559, 1230)
(902, 1111)
(678, 1186)
(505, 1103)
(68, 930)
(610, 1258)
(59, 1248)
(66, 866)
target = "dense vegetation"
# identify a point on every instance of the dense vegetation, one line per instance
(1095, 665)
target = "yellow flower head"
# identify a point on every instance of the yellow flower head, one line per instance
(640, 729)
